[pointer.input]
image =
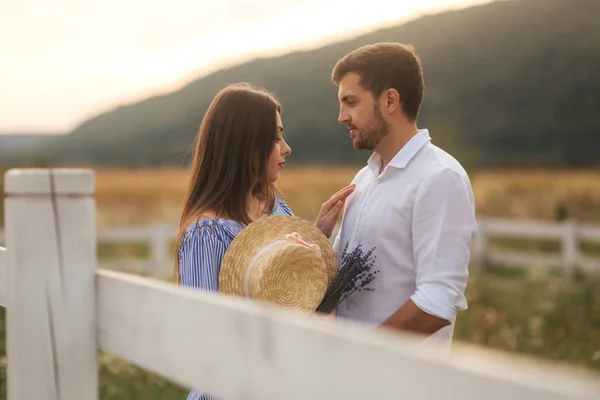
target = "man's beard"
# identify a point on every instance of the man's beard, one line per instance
(369, 137)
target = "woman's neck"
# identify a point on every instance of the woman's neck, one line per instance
(254, 207)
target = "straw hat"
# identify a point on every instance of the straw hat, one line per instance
(283, 260)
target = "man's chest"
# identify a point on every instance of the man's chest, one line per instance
(379, 209)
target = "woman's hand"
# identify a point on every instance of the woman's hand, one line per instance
(331, 209)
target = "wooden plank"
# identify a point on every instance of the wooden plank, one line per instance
(525, 229)
(589, 233)
(124, 234)
(525, 260)
(51, 344)
(238, 349)
(499, 227)
(3, 276)
(540, 260)
(136, 234)
(33, 181)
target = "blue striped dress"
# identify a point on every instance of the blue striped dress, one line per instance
(200, 253)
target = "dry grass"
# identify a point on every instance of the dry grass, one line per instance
(305, 189)
(129, 197)
(539, 194)
(132, 197)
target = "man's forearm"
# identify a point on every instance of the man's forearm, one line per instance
(411, 318)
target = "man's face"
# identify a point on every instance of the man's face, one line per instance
(361, 112)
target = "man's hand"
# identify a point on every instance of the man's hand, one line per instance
(331, 209)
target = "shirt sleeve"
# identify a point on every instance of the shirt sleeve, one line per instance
(200, 260)
(444, 223)
(283, 208)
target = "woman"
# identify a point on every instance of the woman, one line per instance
(239, 154)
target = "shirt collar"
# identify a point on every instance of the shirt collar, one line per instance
(406, 153)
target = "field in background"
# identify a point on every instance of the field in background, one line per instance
(131, 197)
(545, 195)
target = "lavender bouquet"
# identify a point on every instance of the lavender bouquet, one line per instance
(354, 274)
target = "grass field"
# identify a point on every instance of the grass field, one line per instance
(545, 195)
(134, 197)
(527, 312)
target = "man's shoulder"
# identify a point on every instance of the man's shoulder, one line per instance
(440, 171)
(441, 162)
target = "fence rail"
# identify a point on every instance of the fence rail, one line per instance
(230, 347)
(570, 234)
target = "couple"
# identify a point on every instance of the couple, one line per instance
(412, 201)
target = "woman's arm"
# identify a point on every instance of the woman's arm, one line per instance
(200, 260)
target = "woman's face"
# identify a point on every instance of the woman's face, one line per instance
(280, 151)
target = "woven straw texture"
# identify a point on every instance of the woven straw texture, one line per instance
(288, 275)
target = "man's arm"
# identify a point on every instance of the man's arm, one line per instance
(443, 226)
(411, 318)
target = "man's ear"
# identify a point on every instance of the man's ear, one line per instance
(392, 100)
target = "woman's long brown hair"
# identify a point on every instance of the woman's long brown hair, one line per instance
(234, 142)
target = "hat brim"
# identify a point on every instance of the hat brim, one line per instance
(261, 233)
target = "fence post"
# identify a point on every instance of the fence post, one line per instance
(51, 318)
(3, 275)
(480, 244)
(570, 244)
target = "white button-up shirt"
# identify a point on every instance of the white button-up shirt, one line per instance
(419, 214)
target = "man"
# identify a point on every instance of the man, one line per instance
(413, 202)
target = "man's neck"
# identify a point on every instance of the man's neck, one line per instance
(394, 141)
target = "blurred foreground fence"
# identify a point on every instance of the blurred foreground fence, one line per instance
(61, 309)
(568, 236)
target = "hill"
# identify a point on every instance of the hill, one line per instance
(511, 83)
(24, 147)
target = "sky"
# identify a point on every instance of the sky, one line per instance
(63, 61)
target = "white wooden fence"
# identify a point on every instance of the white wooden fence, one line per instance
(569, 234)
(61, 309)
(160, 238)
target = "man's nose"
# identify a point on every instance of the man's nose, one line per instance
(343, 118)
